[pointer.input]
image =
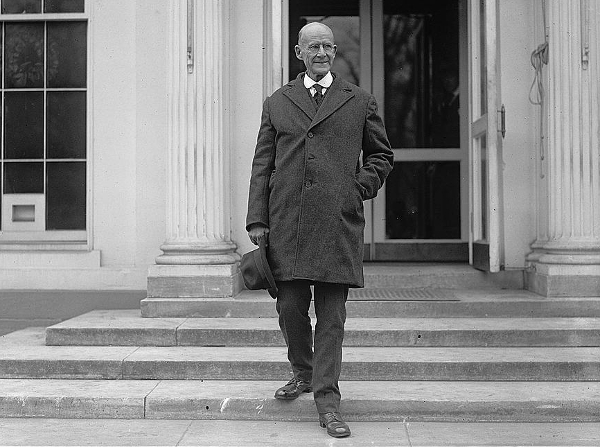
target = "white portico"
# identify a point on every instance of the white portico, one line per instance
(211, 133)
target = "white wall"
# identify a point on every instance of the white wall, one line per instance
(246, 97)
(114, 131)
(129, 133)
(519, 147)
(151, 129)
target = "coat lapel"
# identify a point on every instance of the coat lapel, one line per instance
(299, 96)
(338, 94)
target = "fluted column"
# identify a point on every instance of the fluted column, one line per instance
(198, 257)
(566, 257)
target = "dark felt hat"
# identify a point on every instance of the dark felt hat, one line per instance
(256, 271)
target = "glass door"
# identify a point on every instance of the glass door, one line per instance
(420, 215)
(408, 54)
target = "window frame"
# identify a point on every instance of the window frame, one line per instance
(57, 239)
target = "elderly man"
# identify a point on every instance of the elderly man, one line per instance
(306, 198)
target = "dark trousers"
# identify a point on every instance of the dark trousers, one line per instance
(321, 366)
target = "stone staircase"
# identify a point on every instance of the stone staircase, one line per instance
(456, 350)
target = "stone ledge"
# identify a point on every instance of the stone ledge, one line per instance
(270, 363)
(247, 400)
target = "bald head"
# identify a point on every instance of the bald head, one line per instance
(316, 49)
(317, 27)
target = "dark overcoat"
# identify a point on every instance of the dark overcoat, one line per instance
(308, 183)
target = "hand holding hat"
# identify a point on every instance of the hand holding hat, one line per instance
(256, 271)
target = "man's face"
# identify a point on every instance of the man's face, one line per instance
(316, 49)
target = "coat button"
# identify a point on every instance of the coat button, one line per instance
(311, 156)
(310, 135)
(308, 183)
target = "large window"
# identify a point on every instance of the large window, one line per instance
(44, 120)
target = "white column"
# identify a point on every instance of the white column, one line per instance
(198, 257)
(566, 258)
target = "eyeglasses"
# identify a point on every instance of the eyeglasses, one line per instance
(316, 47)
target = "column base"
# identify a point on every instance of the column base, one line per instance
(563, 280)
(167, 283)
(185, 252)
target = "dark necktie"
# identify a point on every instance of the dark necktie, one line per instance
(318, 94)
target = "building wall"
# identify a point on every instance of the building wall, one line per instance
(114, 131)
(128, 152)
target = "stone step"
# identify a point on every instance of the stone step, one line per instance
(455, 303)
(127, 328)
(24, 355)
(398, 276)
(253, 400)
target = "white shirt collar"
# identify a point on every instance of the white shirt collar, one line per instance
(325, 81)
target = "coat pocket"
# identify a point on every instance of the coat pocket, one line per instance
(272, 179)
(362, 191)
(353, 208)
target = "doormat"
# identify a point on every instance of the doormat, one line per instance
(402, 294)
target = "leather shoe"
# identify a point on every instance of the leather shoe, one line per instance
(293, 389)
(334, 424)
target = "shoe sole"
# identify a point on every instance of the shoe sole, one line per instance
(286, 397)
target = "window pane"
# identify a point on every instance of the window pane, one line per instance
(1, 56)
(24, 55)
(406, 70)
(67, 54)
(23, 125)
(21, 6)
(484, 186)
(65, 196)
(23, 178)
(482, 58)
(423, 200)
(66, 125)
(421, 74)
(64, 6)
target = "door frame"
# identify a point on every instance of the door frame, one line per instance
(412, 249)
(485, 140)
